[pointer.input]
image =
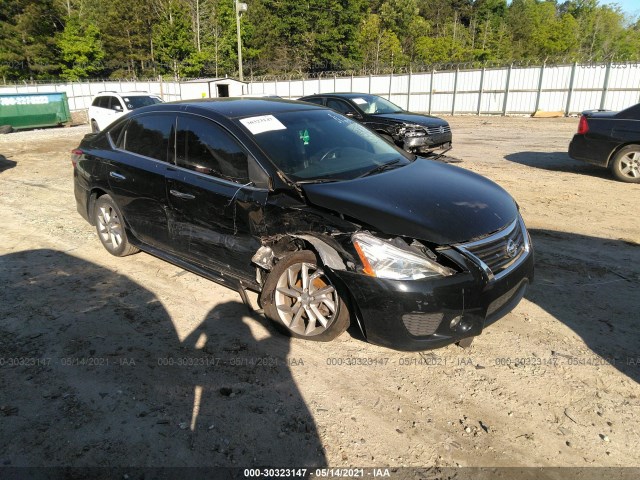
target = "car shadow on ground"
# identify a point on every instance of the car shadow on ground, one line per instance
(6, 164)
(94, 373)
(558, 162)
(591, 285)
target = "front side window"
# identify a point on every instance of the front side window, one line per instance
(115, 104)
(149, 135)
(205, 147)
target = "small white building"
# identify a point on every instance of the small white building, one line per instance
(213, 88)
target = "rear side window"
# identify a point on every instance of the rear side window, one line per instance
(317, 101)
(339, 106)
(101, 102)
(205, 147)
(149, 135)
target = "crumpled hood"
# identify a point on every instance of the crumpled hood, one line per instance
(414, 118)
(425, 200)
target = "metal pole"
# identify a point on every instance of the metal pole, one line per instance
(455, 91)
(605, 88)
(480, 92)
(539, 88)
(239, 42)
(573, 77)
(506, 91)
(431, 90)
(409, 91)
(369, 83)
(390, 84)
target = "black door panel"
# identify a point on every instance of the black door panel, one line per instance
(213, 206)
(137, 182)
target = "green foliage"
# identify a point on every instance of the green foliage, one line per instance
(74, 39)
(81, 50)
(173, 38)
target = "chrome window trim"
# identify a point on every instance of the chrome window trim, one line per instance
(175, 167)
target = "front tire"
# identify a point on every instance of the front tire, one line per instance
(298, 296)
(626, 164)
(110, 227)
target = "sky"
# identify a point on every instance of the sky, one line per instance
(630, 7)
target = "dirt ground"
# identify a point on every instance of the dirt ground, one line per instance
(131, 361)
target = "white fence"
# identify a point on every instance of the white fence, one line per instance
(569, 89)
(512, 90)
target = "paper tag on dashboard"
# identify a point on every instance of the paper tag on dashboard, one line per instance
(264, 123)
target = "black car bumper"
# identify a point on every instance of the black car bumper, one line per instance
(583, 149)
(428, 143)
(426, 314)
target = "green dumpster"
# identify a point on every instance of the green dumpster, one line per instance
(30, 110)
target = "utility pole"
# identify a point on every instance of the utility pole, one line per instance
(240, 8)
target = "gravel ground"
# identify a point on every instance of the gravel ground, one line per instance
(131, 361)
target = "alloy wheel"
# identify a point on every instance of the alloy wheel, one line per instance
(305, 300)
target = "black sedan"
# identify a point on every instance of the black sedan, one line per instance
(610, 140)
(326, 220)
(413, 132)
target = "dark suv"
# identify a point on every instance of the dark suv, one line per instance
(326, 220)
(413, 132)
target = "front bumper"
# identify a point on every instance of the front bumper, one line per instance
(420, 314)
(427, 143)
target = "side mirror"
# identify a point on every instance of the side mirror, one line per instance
(117, 108)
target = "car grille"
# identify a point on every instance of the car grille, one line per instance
(499, 252)
(421, 324)
(438, 130)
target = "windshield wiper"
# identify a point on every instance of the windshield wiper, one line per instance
(379, 168)
(317, 180)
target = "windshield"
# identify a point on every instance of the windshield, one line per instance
(138, 101)
(373, 104)
(321, 145)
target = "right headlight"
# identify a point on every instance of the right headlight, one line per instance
(382, 259)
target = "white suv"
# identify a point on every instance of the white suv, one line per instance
(106, 107)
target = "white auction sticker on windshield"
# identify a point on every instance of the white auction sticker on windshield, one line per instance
(359, 101)
(264, 123)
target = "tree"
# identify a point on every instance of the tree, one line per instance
(172, 36)
(81, 49)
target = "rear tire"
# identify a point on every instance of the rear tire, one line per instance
(94, 126)
(625, 165)
(301, 299)
(110, 227)
(4, 129)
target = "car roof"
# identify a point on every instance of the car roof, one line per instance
(232, 107)
(341, 94)
(126, 94)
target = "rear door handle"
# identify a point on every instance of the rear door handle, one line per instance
(184, 196)
(117, 176)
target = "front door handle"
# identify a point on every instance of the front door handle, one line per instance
(184, 196)
(117, 176)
